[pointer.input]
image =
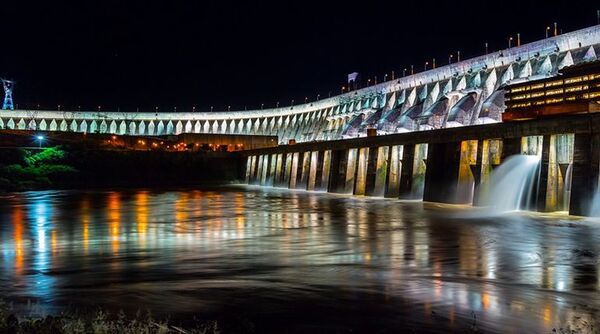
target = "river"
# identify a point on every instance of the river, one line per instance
(300, 261)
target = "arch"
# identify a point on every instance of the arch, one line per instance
(63, 125)
(10, 124)
(160, 128)
(178, 127)
(215, 127)
(43, 125)
(83, 126)
(73, 127)
(170, 129)
(103, 127)
(141, 128)
(113, 127)
(93, 127)
(32, 125)
(188, 127)
(151, 128)
(197, 127)
(122, 128)
(206, 127)
(131, 128)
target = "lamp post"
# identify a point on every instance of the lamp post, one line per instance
(547, 31)
(425, 67)
(510, 39)
(450, 59)
(412, 69)
(40, 139)
(403, 72)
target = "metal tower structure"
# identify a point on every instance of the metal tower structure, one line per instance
(8, 101)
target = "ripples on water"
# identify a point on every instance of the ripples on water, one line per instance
(300, 261)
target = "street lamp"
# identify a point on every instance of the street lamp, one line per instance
(450, 59)
(403, 72)
(425, 67)
(40, 139)
(547, 31)
(510, 39)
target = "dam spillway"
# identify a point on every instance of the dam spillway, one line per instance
(446, 165)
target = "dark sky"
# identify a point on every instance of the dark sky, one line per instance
(185, 53)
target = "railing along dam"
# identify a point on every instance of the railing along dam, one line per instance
(447, 165)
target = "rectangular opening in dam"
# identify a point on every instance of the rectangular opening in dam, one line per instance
(351, 170)
(361, 171)
(560, 164)
(419, 169)
(395, 168)
(467, 171)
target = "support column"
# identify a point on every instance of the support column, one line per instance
(289, 157)
(360, 175)
(294, 170)
(542, 185)
(248, 170)
(584, 182)
(392, 182)
(351, 163)
(303, 170)
(441, 176)
(312, 170)
(476, 170)
(326, 171)
(406, 173)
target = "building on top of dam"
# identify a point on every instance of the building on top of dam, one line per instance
(465, 93)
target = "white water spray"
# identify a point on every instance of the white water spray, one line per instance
(511, 185)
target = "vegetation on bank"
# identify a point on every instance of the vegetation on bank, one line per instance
(99, 322)
(78, 167)
(25, 169)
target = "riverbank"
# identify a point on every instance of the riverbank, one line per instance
(74, 167)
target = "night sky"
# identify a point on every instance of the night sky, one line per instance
(142, 54)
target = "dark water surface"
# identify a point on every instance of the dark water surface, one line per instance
(300, 262)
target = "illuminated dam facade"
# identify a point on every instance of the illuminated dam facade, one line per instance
(465, 93)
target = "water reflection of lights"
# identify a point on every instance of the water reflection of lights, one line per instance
(313, 239)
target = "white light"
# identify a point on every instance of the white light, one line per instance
(40, 137)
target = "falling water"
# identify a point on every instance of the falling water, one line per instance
(567, 187)
(595, 205)
(511, 185)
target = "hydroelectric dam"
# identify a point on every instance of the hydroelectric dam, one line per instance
(437, 135)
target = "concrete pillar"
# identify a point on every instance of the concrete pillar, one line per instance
(265, 169)
(377, 168)
(325, 171)
(466, 177)
(392, 183)
(272, 170)
(351, 163)
(279, 170)
(312, 170)
(248, 170)
(406, 173)
(360, 176)
(441, 176)
(259, 168)
(294, 170)
(586, 158)
(542, 185)
(303, 170)
(288, 170)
